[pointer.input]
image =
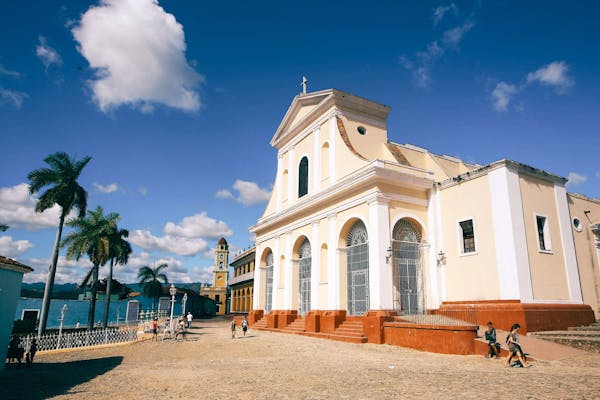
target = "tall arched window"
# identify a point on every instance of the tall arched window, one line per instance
(407, 272)
(357, 254)
(303, 177)
(304, 269)
(269, 283)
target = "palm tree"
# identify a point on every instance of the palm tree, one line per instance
(119, 252)
(91, 235)
(150, 279)
(63, 189)
(3, 228)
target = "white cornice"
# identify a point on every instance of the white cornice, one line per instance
(366, 177)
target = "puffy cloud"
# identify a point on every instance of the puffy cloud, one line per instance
(198, 226)
(47, 54)
(554, 75)
(17, 209)
(248, 193)
(67, 271)
(110, 188)
(502, 95)
(13, 248)
(441, 11)
(138, 51)
(453, 37)
(172, 244)
(575, 179)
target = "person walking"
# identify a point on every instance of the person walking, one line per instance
(233, 327)
(189, 319)
(245, 326)
(31, 353)
(512, 340)
(155, 329)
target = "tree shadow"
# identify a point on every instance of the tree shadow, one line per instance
(44, 380)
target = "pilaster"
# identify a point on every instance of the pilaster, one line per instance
(380, 271)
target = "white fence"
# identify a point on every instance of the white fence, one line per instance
(86, 338)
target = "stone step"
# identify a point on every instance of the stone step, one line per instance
(589, 344)
(568, 333)
(592, 327)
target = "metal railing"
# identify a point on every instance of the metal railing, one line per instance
(55, 341)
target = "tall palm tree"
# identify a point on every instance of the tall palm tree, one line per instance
(63, 189)
(150, 279)
(119, 252)
(91, 236)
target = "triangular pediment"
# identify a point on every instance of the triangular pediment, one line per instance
(304, 108)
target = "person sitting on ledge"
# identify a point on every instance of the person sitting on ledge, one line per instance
(494, 346)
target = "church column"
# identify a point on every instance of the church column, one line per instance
(434, 238)
(570, 259)
(596, 231)
(292, 184)
(316, 162)
(380, 271)
(257, 279)
(279, 180)
(333, 279)
(315, 267)
(332, 136)
(275, 285)
(289, 269)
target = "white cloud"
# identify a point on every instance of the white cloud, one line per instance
(441, 11)
(8, 72)
(554, 75)
(13, 248)
(575, 179)
(248, 193)
(425, 61)
(453, 37)
(198, 226)
(47, 54)
(138, 51)
(598, 174)
(143, 191)
(67, 271)
(17, 209)
(14, 97)
(172, 244)
(502, 95)
(110, 188)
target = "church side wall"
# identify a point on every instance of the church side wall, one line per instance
(548, 270)
(588, 255)
(472, 275)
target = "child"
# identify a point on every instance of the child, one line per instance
(245, 326)
(233, 329)
(490, 336)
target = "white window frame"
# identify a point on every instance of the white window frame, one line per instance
(547, 239)
(461, 242)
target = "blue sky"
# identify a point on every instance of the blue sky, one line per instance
(176, 103)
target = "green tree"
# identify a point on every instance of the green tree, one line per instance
(91, 235)
(3, 228)
(150, 279)
(64, 191)
(119, 252)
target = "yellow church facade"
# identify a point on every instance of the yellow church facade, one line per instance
(358, 224)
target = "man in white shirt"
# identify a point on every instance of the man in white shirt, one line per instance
(189, 319)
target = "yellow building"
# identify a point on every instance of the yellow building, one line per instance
(357, 223)
(218, 291)
(241, 285)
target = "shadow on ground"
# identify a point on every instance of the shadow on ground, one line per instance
(43, 380)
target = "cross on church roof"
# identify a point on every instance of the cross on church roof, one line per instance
(303, 84)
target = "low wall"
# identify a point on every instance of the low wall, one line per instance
(433, 338)
(533, 317)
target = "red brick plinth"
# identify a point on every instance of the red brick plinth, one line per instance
(373, 324)
(433, 338)
(254, 316)
(312, 321)
(331, 319)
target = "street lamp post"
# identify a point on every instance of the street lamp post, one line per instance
(184, 302)
(172, 292)
(63, 311)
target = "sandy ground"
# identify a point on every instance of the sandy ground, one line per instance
(265, 365)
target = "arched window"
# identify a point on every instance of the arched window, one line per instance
(303, 177)
(357, 254)
(408, 295)
(304, 269)
(269, 283)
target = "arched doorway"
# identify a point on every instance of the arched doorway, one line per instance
(269, 282)
(304, 267)
(407, 271)
(357, 257)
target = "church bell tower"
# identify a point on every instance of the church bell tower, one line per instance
(221, 263)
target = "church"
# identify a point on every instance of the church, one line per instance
(358, 225)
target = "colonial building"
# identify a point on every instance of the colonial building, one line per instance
(218, 291)
(241, 285)
(358, 224)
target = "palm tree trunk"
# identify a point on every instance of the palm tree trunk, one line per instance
(92, 311)
(107, 297)
(50, 279)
